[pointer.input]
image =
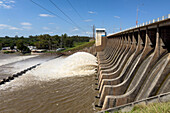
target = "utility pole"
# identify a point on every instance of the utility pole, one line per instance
(137, 17)
(93, 32)
(138, 13)
(120, 26)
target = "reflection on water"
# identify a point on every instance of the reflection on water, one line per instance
(62, 85)
(10, 59)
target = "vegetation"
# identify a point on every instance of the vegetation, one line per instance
(42, 42)
(79, 46)
(151, 108)
(6, 52)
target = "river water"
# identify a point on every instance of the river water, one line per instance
(60, 85)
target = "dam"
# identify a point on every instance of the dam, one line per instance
(133, 65)
(132, 68)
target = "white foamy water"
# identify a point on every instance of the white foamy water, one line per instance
(15, 59)
(78, 64)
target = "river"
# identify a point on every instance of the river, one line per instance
(58, 85)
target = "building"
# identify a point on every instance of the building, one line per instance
(100, 32)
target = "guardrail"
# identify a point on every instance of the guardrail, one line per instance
(158, 98)
(166, 17)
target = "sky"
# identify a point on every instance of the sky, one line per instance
(75, 17)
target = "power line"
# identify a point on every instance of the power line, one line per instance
(66, 15)
(50, 12)
(74, 9)
(53, 13)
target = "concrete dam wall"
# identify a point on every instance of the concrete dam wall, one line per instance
(134, 64)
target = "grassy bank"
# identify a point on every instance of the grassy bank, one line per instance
(79, 46)
(151, 108)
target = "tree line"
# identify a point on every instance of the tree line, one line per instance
(44, 41)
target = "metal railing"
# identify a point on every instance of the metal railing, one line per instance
(146, 23)
(158, 98)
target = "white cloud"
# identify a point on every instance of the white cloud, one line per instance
(4, 26)
(45, 28)
(6, 4)
(45, 15)
(88, 20)
(27, 27)
(89, 33)
(75, 29)
(91, 12)
(12, 1)
(26, 23)
(50, 32)
(13, 28)
(117, 16)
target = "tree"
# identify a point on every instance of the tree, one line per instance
(0, 46)
(20, 45)
(24, 49)
(16, 36)
(12, 46)
(6, 36)
(31, 36)
(22, 37)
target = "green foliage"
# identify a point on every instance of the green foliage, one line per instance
(0, 46)
(151, 108)
(20, 45)
(43, 41)
(79, 47)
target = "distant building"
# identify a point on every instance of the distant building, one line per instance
(31, 47)
(6, 48)
(100, 32)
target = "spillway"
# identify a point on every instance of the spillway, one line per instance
(64, 84)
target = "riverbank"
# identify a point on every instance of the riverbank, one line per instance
(79, 47)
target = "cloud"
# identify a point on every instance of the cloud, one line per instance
(50, 32)
(45, 28)
(89, 33)
(91, 12)
(13, 28)
(6, 4)
(27, 27)
(116, 16)
(88, 20)
(75, 29)
(11, 1)
(4, 26)
(26, 23)
(45, 15)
